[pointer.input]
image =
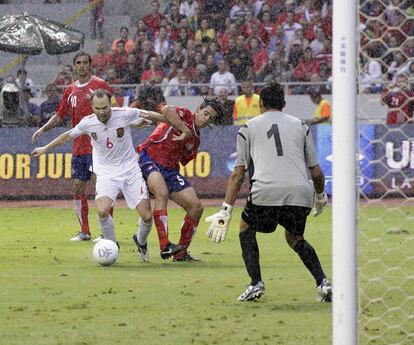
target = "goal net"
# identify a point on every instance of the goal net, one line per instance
(385, 180)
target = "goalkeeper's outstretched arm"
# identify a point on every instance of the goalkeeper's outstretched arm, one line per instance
(220, 221)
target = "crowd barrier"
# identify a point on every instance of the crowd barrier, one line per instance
(386, 162)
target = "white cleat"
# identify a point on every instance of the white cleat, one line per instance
(81, 236)
(252, 292)
(143, 252)
(324, 291)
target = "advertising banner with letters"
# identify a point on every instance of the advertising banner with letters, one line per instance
(385, 162)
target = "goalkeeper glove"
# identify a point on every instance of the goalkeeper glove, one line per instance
(320, 203)
(220, 221)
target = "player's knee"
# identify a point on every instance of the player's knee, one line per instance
(196, 209)
(292, 240)
(102, 213)
(161, 194)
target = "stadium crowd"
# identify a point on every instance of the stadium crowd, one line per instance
(199, 47)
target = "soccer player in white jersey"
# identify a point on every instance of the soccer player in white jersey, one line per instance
(115, 162)
(278, 152)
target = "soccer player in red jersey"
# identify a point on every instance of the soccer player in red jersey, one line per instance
(76, 103)
(160, 156)
(400, 100)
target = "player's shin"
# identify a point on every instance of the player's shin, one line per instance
(82, 211)
(107, 228)
(188, 230)
(143, 231)
(250, 253)
(161, 224)
(309, 257)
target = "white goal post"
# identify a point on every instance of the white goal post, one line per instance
(344, 191)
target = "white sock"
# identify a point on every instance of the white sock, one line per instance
(107, 228)
(143, 231)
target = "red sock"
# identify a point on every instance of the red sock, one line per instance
(82, 210)
(188, 230)
(161, 223)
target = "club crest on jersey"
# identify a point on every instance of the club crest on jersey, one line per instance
(120, 132)
(94, 136)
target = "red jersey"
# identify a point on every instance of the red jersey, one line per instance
(76, 103)
(168, 153)
(401, 106)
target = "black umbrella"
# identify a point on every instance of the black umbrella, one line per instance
(27, 34)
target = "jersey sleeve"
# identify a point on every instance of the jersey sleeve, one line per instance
(63, 108)
(243, 144)
(310, 152)
(134, 117)
(78, 130)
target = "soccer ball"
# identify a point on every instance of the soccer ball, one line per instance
(105, 252)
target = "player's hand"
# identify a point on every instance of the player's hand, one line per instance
(39, 151)
(220, 222)
(36, 135)
(182, 136)
(320, 203)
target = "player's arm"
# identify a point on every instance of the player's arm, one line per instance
(316, 173)
(60, 140)
(53, 122)
(174, 120)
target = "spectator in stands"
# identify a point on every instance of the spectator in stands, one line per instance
(215, 9)
(96, 18)
(100, 60)
(119, 59)
(210, 67)
(318, 44)
(154, 74)
(30, 112)
(64, 77)
(162, 44)
(122, 96)
(176, 55)
(172, 87)
(146, 54)
(268, 24)
(295, 54)
(278, 37)
(392, 14)
(397, 63)
(371, 76)
(307, 70)
(247, 105)
(239, 58)
(400, 100)
(153, 19)
(277, 69)
(228, 106)
(238, 11)
(112, 76)
(323, 108)
(123, 36)
(205, 31)
(290, 26)
(49, 106)
(174, 17)
(22, 81)
(222, 78)
(187, 7)
(213, 48)
(133, 71)
(223, 37)
(141, 27)
(259, 59)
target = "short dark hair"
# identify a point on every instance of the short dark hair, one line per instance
(82, 53)
(214, 103)
(150, 97)
(273, 96)
(100, 93)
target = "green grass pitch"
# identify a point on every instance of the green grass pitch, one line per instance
(54, 293)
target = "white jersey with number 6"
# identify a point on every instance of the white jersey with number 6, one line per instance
(114, 156)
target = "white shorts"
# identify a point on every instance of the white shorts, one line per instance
(133, 188)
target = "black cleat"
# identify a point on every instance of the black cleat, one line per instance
(170, 250)
(143, 253)
(186, 257)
